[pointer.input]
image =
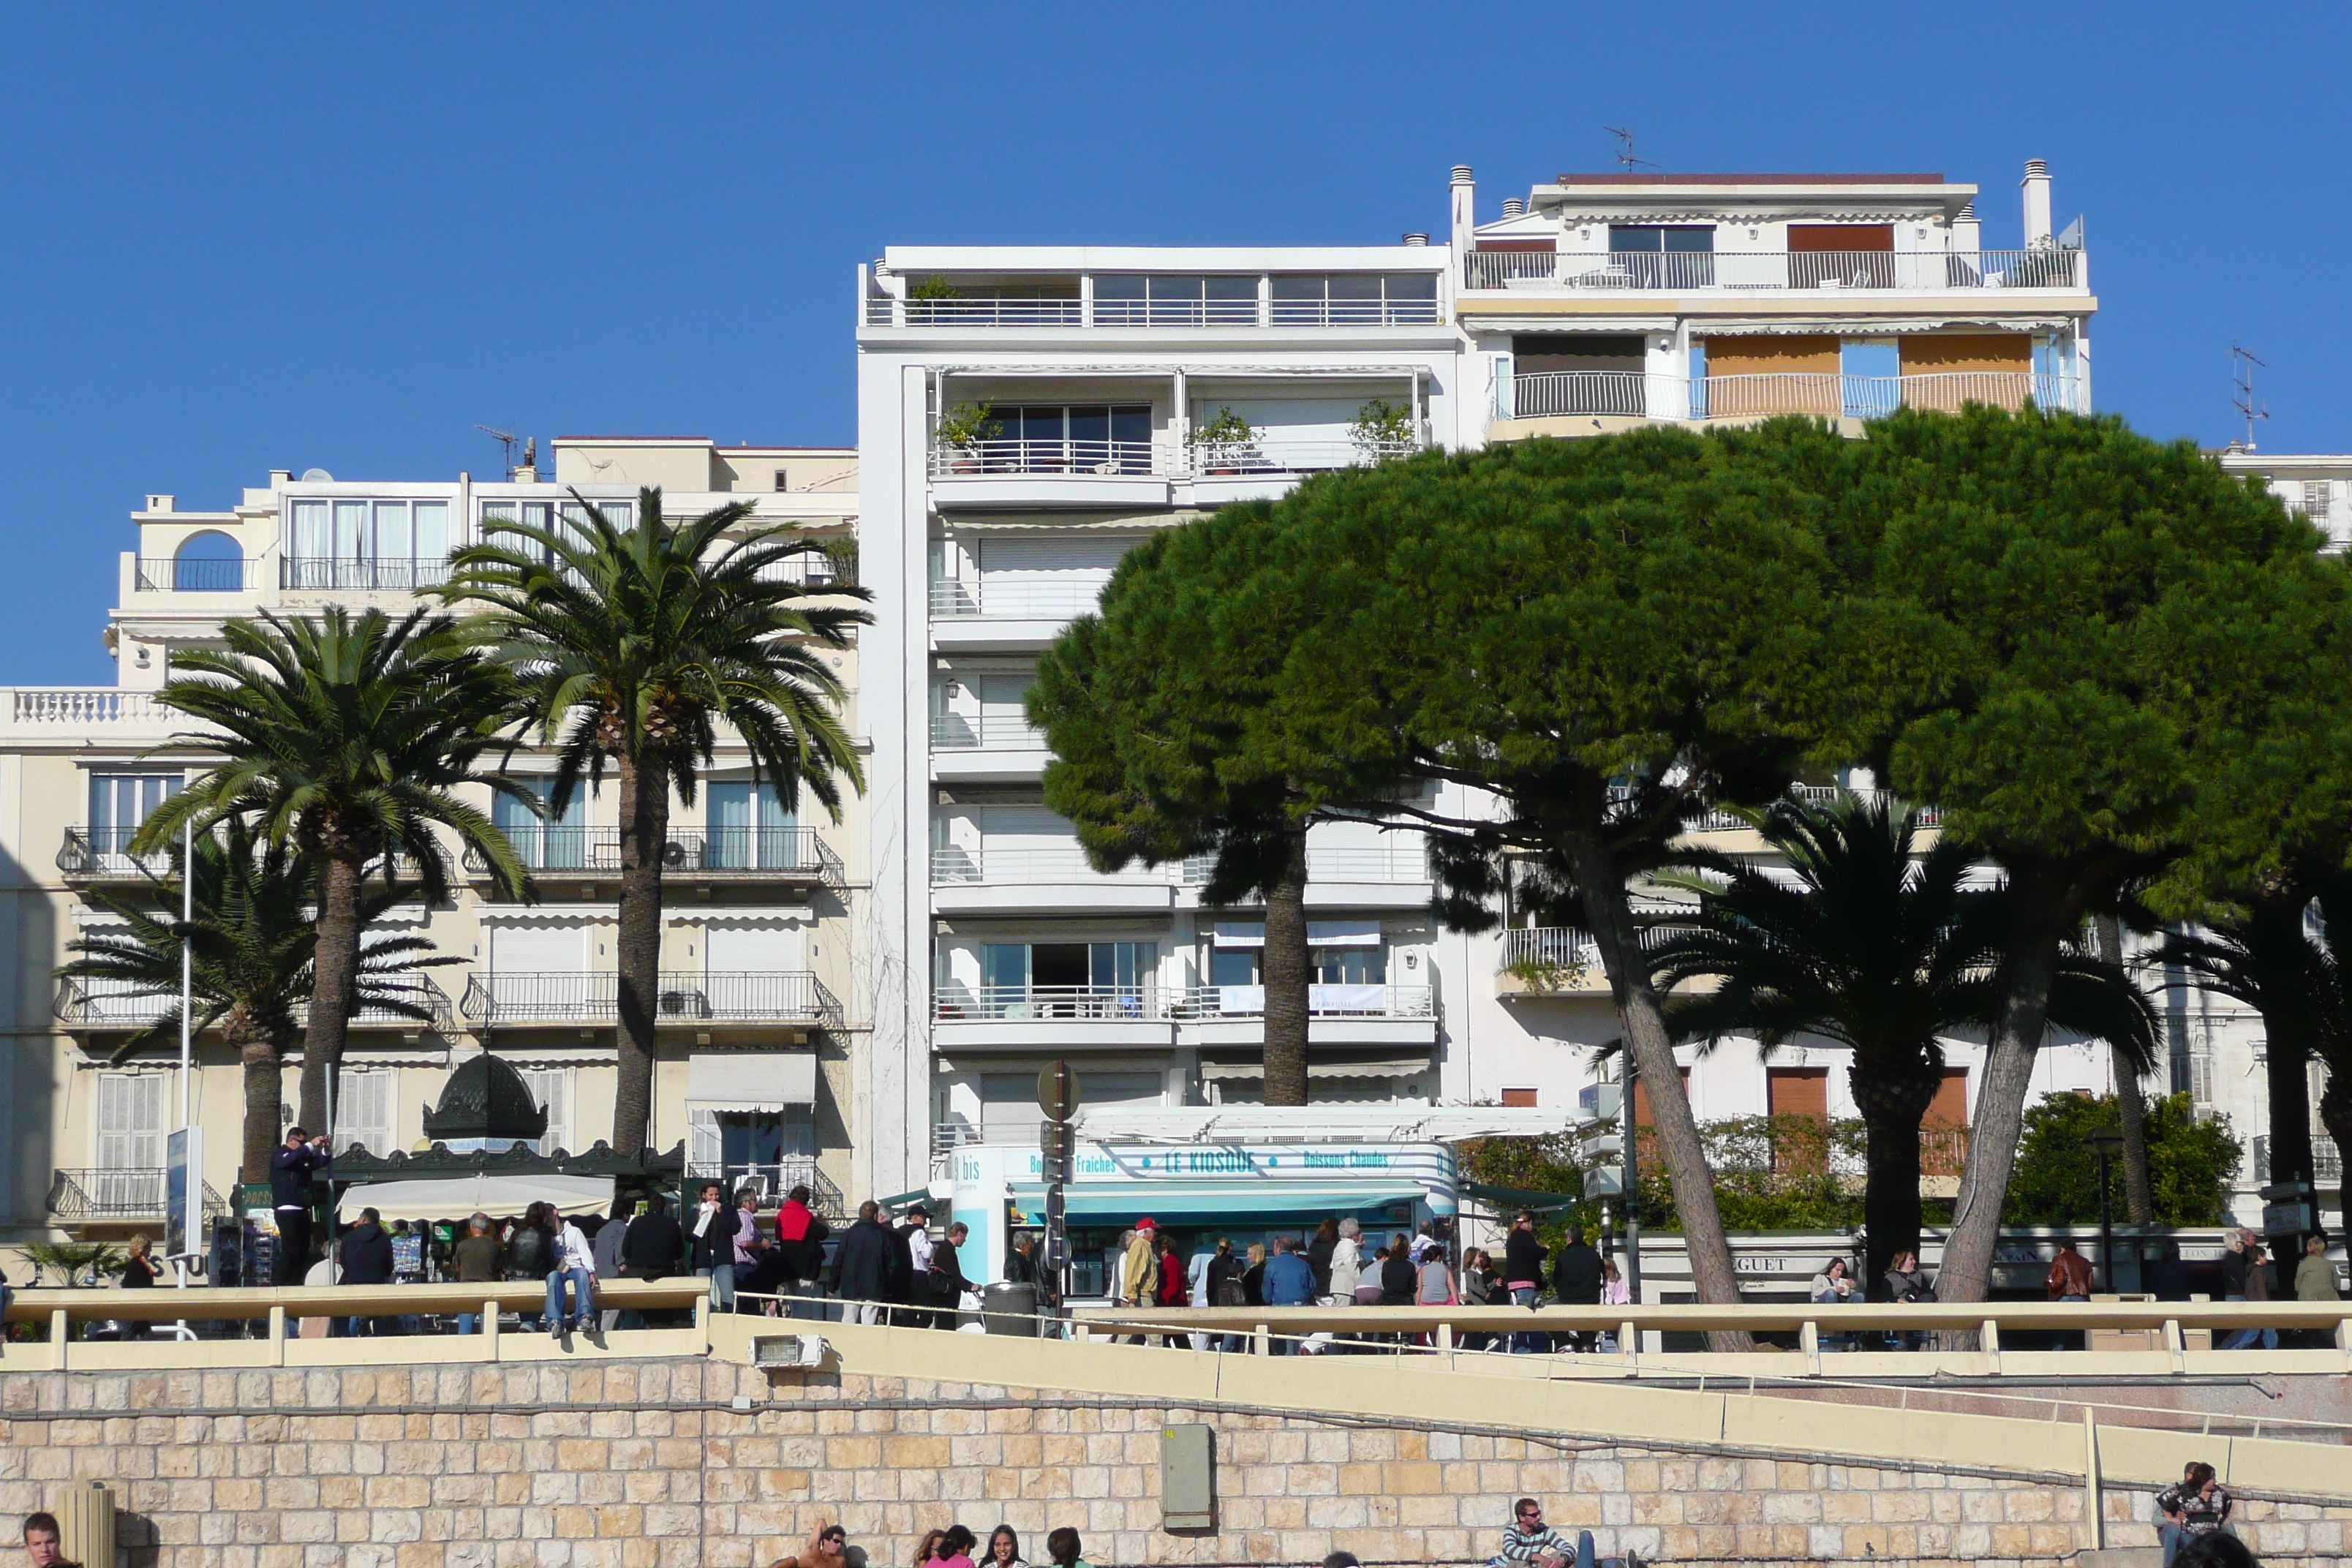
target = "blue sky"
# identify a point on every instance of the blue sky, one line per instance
(239, 239)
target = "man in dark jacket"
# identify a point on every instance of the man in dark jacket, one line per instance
(366, 1258)
(1523, 1273)
(947, 1281)
(1576, 1279)
(650, 1248)
(862, 1266)
(710, 1238)
(293, 1170)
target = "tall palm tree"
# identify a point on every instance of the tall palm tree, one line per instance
(250, 944)
(1882, 945)
(346, 738)
(629, 647)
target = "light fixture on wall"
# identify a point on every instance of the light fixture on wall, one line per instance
(146, 657)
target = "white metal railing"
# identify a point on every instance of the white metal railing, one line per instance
(1540, 393)
(951, 866)
(1725, 821)
(67, 707)
(1082, 460)
(1824, 393)
(884, 311)
(506, 996)
(1324, 1000)
(1025, 598)
(1548, 947)
(1279, 454)
(984, 733)
(361, 573)
(1873, 270)
(1379, 862)
(1036, 1003)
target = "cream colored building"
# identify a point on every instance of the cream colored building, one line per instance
(763, 1007)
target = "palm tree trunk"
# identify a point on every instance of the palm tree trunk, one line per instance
(2131, 1100)
(1288, 969)
(645, 829)
(332, 986)
(1999, 1119)
(261, 1059)
(1891, 1115)
(1641, 1014)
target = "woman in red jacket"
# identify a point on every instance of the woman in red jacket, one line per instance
(1171, 1291)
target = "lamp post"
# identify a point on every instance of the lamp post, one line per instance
(2108, 1145)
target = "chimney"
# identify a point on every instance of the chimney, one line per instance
(1967, 236)
(1465, 190)
(2036, 185)
(1416, 238)
(1515, 206)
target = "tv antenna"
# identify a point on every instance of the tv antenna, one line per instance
(1625, 158)
(2243, 366)
(505, 439)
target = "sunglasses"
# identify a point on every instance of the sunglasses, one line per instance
(835, 1536)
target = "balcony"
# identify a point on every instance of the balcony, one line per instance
(1323, 1001)
(1870, 271)
(1037, 880)
(166, 575)
(883, 311)
(1050, 1004)
(1542, 394)
(1810, 795)
(104, 855)
(71, 714)
(88, 1003)
(986, 746)
(773, 1179)
(115, 1195)
(557, 853)
(1018, 599)
(1065, 472)
(360, 574)
(686, 999)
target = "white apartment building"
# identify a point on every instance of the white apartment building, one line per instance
(1026, 415)
(764, 996)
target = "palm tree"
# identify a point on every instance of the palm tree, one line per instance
(1881, 945)
(629, 647)
(346, 740)
(251, 942)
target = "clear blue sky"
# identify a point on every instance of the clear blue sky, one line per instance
(242, 237)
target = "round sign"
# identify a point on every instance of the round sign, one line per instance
(1057, 1092)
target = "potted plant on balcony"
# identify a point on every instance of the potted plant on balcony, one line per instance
(961, 431)
(1383, 429)
(1222, 444)
(924, 295)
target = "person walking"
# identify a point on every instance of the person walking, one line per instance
(294, 1169)
(1346, 1264)
(861, 1266)
(1289, 1282)
(1320, 1248)
(800, 1244)
(1477, 1290)
(1228, 1287)
(711, 1245)
(947, 1281)
(1615, 1292)
(2069, 1278)
(1197, 1288)
(608, 1238)
(1003, 1549)
(140, 1269)
(1523, 1273)
(2315, 1277)
(1576, 1281)
(573, 1262)
(1436, 1284)
(2258, 1288)
(2198, 1506)
(910, 1280)
(474, 1260)
(1138, 1277)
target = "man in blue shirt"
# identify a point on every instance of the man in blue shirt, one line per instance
(1289, 1282)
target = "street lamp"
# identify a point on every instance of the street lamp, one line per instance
(2108, 1145)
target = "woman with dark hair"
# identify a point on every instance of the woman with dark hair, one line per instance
(1003, 1549)
(2198, 1508)
(1398, 1278)
(1170, 1290)
(1062, 1547)
(1320, 1247)
(530, 1251)
(928, 1549)
(952, 1549)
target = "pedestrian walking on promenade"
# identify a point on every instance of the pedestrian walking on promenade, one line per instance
(1523, 1273)
(861, 1266)
(1347, 1265)
(2315, 1277)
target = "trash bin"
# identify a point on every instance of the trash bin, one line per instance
(1010, 1310)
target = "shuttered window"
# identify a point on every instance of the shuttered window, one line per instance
(363, 1110)
(552, 1088)
(130, 1121)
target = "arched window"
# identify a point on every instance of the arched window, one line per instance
(208, 562)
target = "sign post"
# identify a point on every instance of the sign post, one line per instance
(1057, 1097)
(183, 1206)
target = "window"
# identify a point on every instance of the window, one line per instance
(1344, 299)
(1352, 966)
(118, 803)
(1067, 979)
(557, 841)
(130, 1121)
(552, 1088)
(1083, 438)
(567, 520)
(2314, 499)
(750, 829)
(1138, 301)
(367, 545)
(735, 1144)
(1657, 257)
(361, 1111)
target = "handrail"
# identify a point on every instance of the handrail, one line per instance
(203, 1302)
(682, 996)
(1696, 1317)
(169, 575)
(559, 851)
(1737, 271)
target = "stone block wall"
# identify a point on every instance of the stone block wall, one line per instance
(692, 1464)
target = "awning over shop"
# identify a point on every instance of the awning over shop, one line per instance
(1217, 1201)
(455, 1197)
(750, 1080)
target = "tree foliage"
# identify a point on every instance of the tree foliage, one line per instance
(2191, 1162)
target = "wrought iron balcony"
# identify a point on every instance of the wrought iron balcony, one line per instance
(117, 1193)
(778, 853)
(103, 853)
(192, 576)
(773, 1179)
(94, 1004)
(682, 997)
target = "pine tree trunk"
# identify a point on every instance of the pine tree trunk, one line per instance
(2286, 1051)
(332, 986)
(261, 1060)
(645, 829)
(2131, 1101)
(2000, 1120)
(1891, 1115)
(1641, 1014)
(1289, 972)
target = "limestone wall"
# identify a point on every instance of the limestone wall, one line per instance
(686, 1463)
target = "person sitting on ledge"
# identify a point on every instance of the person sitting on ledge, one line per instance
(828, 1547)
(2198, 1507)
(1529, 1540)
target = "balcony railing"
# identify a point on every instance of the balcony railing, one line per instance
(753, 996)
(105, 852)
(1378, 863)
(1825, 394)
(1810, 794)
(882, 310)
(1020, 600)
(96, 1002)
(985, 733)
(1930, 271)
(1323, 1001)
(1039, 1003)
(950, 866)
(555, 850)
(773, 1179)
(118, 1193)
(360, 574)
(167, 575)
(61, 709)
(1148, 460)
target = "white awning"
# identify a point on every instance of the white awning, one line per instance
(1405, 1122)
(750, 1080)
(1319, 933)
(498, 1195)
(1250, 1072)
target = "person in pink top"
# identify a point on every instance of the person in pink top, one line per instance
(952, 1549)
